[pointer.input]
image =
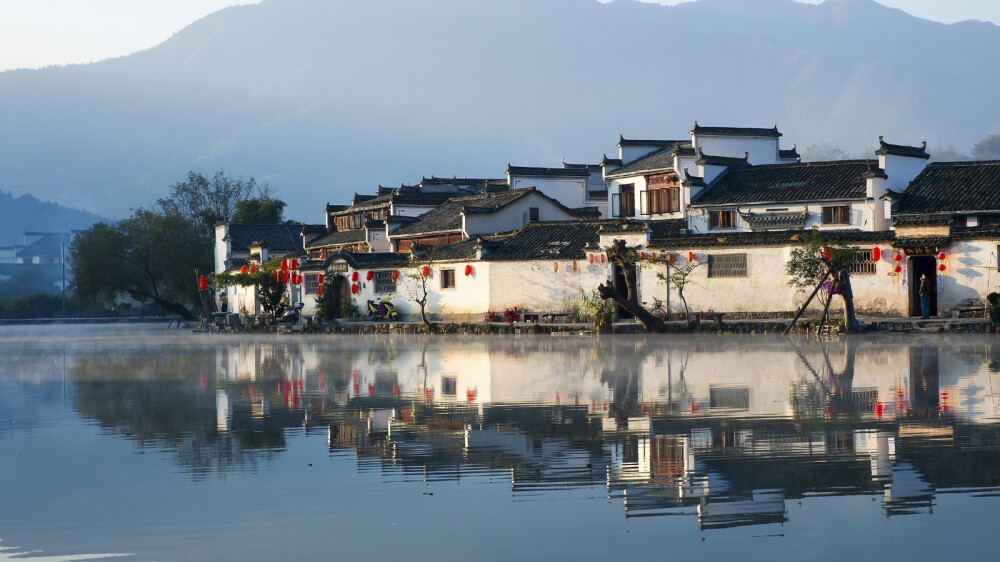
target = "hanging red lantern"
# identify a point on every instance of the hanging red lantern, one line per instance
(319, 290)
(654, 255)
(426, 271)
(298, 279)
(320, 279)
(691, 256)
(354, 276)
(369, 275)
(898, 257)
(244, 270)
(602, 258)
(671, 258)
(555, 266)
(277, 276)
(876, 253)
(293, 264)
(898, 268)
(202, 283)
(253, 269)
(574, 266)
(941, 256)
(826, 254)
(284, 265)
(591, 258)
(642, 255)
(354, 288)
(394, 275)
(468, 270)
(941, 267)
(284, 277)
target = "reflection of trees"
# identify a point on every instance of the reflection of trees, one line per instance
(165, 403)
(829, 391)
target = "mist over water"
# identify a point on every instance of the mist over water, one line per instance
(169, 445)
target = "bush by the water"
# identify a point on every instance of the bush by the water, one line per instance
(34, 306)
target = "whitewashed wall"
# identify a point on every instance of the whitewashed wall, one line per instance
(863, 216)
(900, 169)
(513, 216)
(763, 150)
(537, 287)
(571, 192)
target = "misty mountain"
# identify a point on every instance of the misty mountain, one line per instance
(27, 214)
(327, 98)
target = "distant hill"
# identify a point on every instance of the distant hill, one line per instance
(25, 213)
(327, 98)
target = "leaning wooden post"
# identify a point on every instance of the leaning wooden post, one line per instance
(806, 304)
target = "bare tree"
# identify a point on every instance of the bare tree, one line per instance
(626, 259)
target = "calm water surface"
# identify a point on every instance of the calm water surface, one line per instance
(152, 444)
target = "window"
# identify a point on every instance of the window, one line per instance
(660, 201)
(447, 278)
(840, 214)
(311, 284)
(989, 220)
(383, 282)
(623, 203)
(721, 219)
(448, 386)
(532, 214)
(735, 397)
(860, 262)
(961, 221)
(727, 265)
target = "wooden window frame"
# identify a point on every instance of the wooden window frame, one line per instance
(721, 219)
(448, 279)
(836, 214)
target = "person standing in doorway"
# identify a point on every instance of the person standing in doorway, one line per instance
(224, 302)
(925, 296)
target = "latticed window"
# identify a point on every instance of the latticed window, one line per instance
(859, 262)
(727, 265)
(383, 282)
(660, 201)
(311, 283)
(447, 278)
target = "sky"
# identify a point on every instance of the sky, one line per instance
(38, 33)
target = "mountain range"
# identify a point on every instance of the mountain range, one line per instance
(327, 98)
(26, 214)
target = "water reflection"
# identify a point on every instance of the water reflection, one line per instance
(725, 431)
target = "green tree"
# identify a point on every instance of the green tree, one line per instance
(987, 149)
(260, 210)
(680, 278)
(147, 256)
(818, 261)
(267, 289)
(207, 201)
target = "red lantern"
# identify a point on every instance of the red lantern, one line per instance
(293, 264)
(671, 258)
(468, 270)
(898, 257)
(691, 256)
(941, 256)
(654, 255)
(555, 266)
(354, 288)
(876, 254)
(898, 269)
(244, 270)
(426, 271)
(602, 258)
(354, 276)
(253, 269)
(642, 255)
(591, 258)
(277, 276)
(319, 290)
(320, 278)
(298, 279)
(826, 254)
(284, 277)
(941, 267)
(394, 275)
(202, 283)
(284, 265)
(369, 275)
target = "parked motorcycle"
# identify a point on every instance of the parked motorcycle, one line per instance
(383, 310)
(291, 316)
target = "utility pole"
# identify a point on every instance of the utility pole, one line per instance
(62, 258)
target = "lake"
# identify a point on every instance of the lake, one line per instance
(146, 443)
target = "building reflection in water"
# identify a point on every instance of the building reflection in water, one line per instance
(725, 431)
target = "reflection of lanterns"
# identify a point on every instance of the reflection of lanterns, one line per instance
(394, 274)
(320, 279)
(876, 254)
(369, 275)
(468, 270)
(244, 270)
(354, 276)
(426, 271)
(202, 283)
(591, 258)
(898, 257)
(284, 265)
(941, 256)
(354, 288)
(898, 268)
(941, 267)
(555, 266)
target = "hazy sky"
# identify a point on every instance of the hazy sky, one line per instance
(37, 33)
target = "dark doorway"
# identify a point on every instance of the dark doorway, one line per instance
(924, 385)
(622, 288)
(918, 265)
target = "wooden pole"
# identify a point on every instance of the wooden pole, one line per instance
(806, 304)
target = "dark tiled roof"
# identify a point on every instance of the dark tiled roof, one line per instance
(279, 237)
(49, 245)
(625, 143)
(947, 187)
(546, 172)
(359, 198)
(786, 219)
(592, 168)
(789, 154)
(903, 150)
(708, 160)
(693, 181)
(666, 228)
(735, 131)
(773, 238)
(547, 240)
(921, 220)
(611, 161)
(410, 196)
(372, 261)
(991, 232)
(335, 208)
(783, 183)
(656, 161)
(338, 239)
(448, 216)
(921, 242)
